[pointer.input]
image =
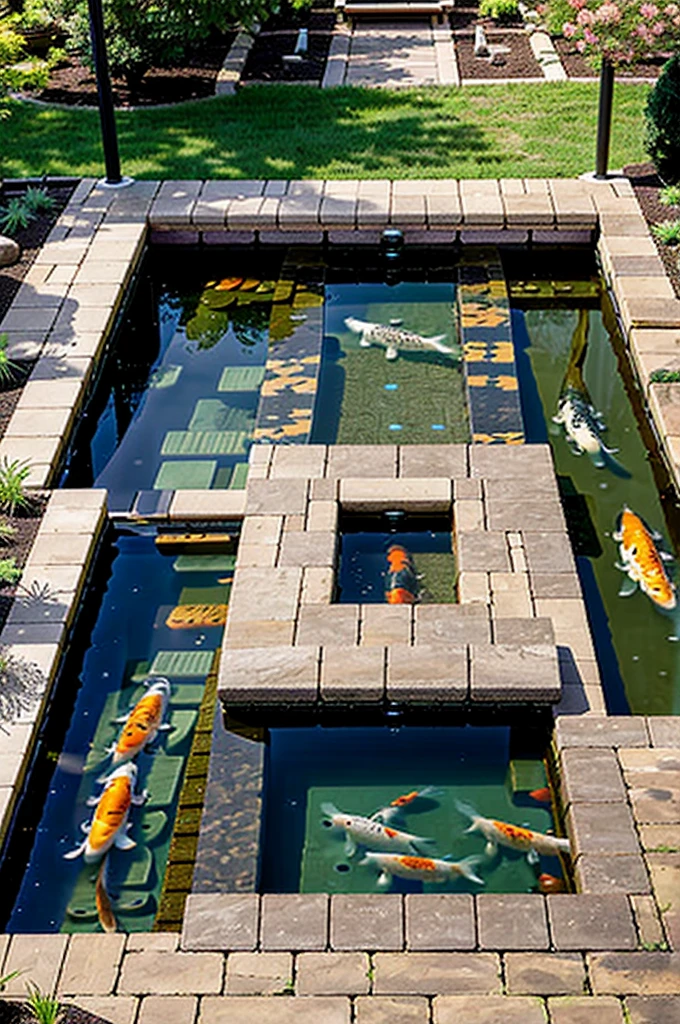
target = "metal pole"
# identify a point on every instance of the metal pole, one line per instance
(106, 113)
(604, 118)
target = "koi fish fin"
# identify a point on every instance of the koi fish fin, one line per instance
(350, 847)
(85, 827)
(124, 842)
(329, 810)
(467, 868)
(92, 801)
(664, 556)
(419, 841)
(532, 857)
(431, 792)
(364, 342)
(72, 854)
(140, 799)
(387, 815)
(166, 727)
(436, 343)
(384, 880)
(468, 811)
(121, 720)
(563, 844)
(628, 587)
(391, 352)
(490, 849)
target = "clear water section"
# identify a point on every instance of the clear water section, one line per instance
(638, 645)
(365, 397)
(378, 556)
(360, 771)
(162, 615)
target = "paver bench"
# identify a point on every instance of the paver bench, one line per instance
(393, 8)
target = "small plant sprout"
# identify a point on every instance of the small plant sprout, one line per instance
(8, 368)
(10, 572)
(7, 531)
(12, 493)
(668, 232)
(670, 195)
(664, 376)
(5, 980)
(38, 200)
(45, 1009)
(16, 215)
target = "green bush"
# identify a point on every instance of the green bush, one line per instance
(15, 71)
(142, 33)
(555, 14)
(499, 10)
(662, 137)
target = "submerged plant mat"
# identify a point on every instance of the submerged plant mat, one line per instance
(291, 131)
(437, 577)
(429, 392)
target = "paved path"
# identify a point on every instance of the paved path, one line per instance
(392, 55)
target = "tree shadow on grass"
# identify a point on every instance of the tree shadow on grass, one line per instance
(264, 132)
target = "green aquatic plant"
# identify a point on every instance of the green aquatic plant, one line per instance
(15, 215)
(12, 492)
(670, 195)
(667, 232)
(9, 571)
(46, 1009)
(38, 200)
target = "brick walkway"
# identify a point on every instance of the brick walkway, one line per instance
(392, 55)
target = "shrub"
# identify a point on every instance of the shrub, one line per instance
(16, 72)
(10, 572)
(12, 493)
(140, 35)
(624, 32)
(670, 195)
(662, 135)
(38, 200)
(499, 10)
(667, 231)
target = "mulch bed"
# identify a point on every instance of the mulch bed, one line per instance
(277, 39)
(26, 524)
(519, 62)
(30, 239)
(18, 1013)
(647, 184)
(74, 83)
(577, 66)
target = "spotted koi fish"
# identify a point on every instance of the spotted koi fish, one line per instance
(392, 339)
(143, 722)
(642, 561)
(361, 831)
(109, 823)
(424, 869)
(401, 582)
(514, 837)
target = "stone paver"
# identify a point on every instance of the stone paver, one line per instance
(460, 1009)
(591, 921)
(370, 922)
(292, 921)
(168, 1010)
(513, 921)
(391, 1010)
(585, 1010)
(258, 974)
(171, 974)
(439, 921)
(332, 974)
(38, 958)
(640, 974)
(268, 1010)
(653, 1009)
(91, 964)
(221, 921)
(544, 974)
(432, 973)
(112, 1009)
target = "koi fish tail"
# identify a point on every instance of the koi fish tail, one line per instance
(436, 343)
(431, 792)
(467, 868)
(577, 353)
(468, 811)
(329, 810)
(563, 845)
(105, 913)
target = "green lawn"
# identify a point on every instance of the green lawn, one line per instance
(300, 132)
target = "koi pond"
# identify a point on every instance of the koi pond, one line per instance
(298, 347)
(153, 645)
(373, 809)
(572, 369)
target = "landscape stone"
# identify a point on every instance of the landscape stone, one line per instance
(437, 624)
(269, 674)
(383, 624)
(9, 251)
(91, 964)
(503, 674)
(168, 1010)
(602, 828)
(352, 674)
(604, 873)
(483, 551)
(422, 674)
(591, 776)
(336, 624)
(614, 731)
(274, 1010)
(171, 974)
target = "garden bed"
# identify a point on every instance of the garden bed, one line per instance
(74, 83)
(277, 39)
(26, 524)
(647, 185)
(517, 62)
(19, 1013)
(577, 66)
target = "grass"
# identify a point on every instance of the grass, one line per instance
(300, 132)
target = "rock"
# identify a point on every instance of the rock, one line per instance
(9, 251)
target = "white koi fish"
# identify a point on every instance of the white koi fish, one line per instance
(514, 837)
(109, 823)
(424, 869)
(394, 338)
(583, 427)
(368, 832)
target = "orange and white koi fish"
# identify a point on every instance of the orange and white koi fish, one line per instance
(143, 722)
(401, 582)
(515, 837)
(642, 561)
(109, 823)
(541, 796)
(425, 869)
(404, 802)
(361, 831)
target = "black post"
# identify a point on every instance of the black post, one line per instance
(106, 114)
(604, 118)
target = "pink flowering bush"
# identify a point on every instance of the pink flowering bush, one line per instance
(623, 31)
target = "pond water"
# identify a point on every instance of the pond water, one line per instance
(310, 773)
(396, 559)
(162, 615)
(638, 644)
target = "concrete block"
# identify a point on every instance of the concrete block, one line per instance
(514, 674)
